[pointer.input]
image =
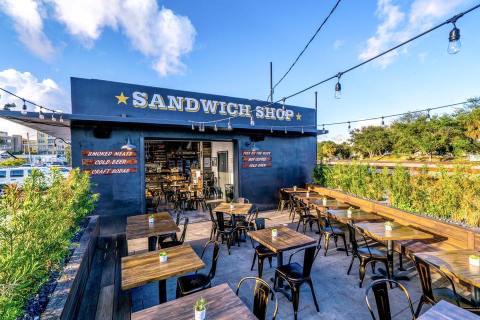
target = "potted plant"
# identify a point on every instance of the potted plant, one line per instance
(274, 233)
(389, 226)
(200, 308)
(474, 260)
(162, 255)
(349, 212)
(151, 219)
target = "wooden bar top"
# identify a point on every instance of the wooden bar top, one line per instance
(358, 215)
(286, 238)
(376, 230)
(138, 226)
(222, 304)
(455, 264)
(446, 311)
(140, 269)
(238, 208)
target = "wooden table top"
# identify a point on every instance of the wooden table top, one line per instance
(358, 215)
(140, 269)
(239, 208)
(286, 238)
(446, 311)
(455, 264)
(377, 231)
(290, 190)
(138, 226)
(330, 204)
(222, 303)
(311, 196)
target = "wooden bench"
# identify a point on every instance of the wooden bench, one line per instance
(448, 236)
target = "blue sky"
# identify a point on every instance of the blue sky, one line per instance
(225, 47)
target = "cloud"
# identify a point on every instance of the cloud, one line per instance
(45, 92)
(337, 44)
(397, 26)
(28, 24)
(157, 33)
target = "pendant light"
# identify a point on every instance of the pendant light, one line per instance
(24, 108)
(454, 43)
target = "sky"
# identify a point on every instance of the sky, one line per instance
(224, 48)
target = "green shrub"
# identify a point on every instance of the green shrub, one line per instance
(12, 162)
(37, 222)
(452, 195)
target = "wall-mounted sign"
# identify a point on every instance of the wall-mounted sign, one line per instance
(108, 162)
(88, 153)
(256, 159)
(110, 171)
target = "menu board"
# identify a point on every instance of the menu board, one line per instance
(256, 159)
(109, 162)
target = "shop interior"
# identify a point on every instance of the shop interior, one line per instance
(186, 173)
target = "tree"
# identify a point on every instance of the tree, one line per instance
(326, 149)
(372, 140)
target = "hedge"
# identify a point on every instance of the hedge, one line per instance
(37, 223)
(452, 195)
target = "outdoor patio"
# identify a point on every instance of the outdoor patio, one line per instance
(338, 294)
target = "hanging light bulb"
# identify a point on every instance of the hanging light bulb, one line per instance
(61, 118)
(271, 129)
(303, 131)
(454, 43)
(229, 126)
(323, 128)
(53, 116)
(201, 128)
(215, 127)
(285, 130)
(349, 126)
(338, 87)
(383, 122)
(283, 104)
(40, 114)
(24, 108)
(193, 127)
(252, 122)
(428, 115)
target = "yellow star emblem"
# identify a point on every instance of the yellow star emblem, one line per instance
(298, 116)
(121, 98)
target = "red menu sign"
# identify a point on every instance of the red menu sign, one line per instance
(89, 153)
(256, 159)
(109, 171)
(107, 162)
(109, 158)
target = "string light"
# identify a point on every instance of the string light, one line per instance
(53, 116)
(283, 104)
(428, 115)
(24, 108)
(61, 117)
(215, 127)
(303, 131)
(193, 127)
(349, 126)
(285, 130)
(201, 128)
(338, 87)
(271, 129)
(252, 122)
(383, 122)
(454, 43)
(40, 114)
(229, 126)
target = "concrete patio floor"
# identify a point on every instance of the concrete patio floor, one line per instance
(338, 294)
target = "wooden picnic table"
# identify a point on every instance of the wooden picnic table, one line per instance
(222, 303)
(139, 227)
(341, 215)
(140, 269)
(455, 264)
(446, 311)
(286, 239)
(376, 230)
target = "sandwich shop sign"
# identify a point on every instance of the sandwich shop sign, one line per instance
(159, 105)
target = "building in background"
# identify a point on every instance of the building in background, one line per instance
(17, 144)
(49, 145)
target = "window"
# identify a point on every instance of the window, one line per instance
(3, 174)
(16, 173)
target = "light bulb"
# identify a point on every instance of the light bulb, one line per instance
(349, 126)
(201, 128)
(252, 122)
(40, 114)
(271, 129)
(229, 126)
(285, 130)
(193, 126)
(215, 127)
(24, 108)
(383, 122)
(61, 118)
(454, 43)
(338, 90)
(303, 131)
(53, 117)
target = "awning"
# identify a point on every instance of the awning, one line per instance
(58, 129)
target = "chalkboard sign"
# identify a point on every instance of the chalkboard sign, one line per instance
(256, 159)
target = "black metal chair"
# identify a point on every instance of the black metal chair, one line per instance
(261, 252)
(365, 254)
(199, 281)
(432, 295)
(246, 223)
(261, 296)
(213, 232)
(304, 215)
(173, 243)
(226, 233)
(296, 275)
(380, 292)
(328, 230)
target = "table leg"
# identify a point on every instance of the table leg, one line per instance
(391, 268)
(152, 243)
(162, 291)
(475, 296)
